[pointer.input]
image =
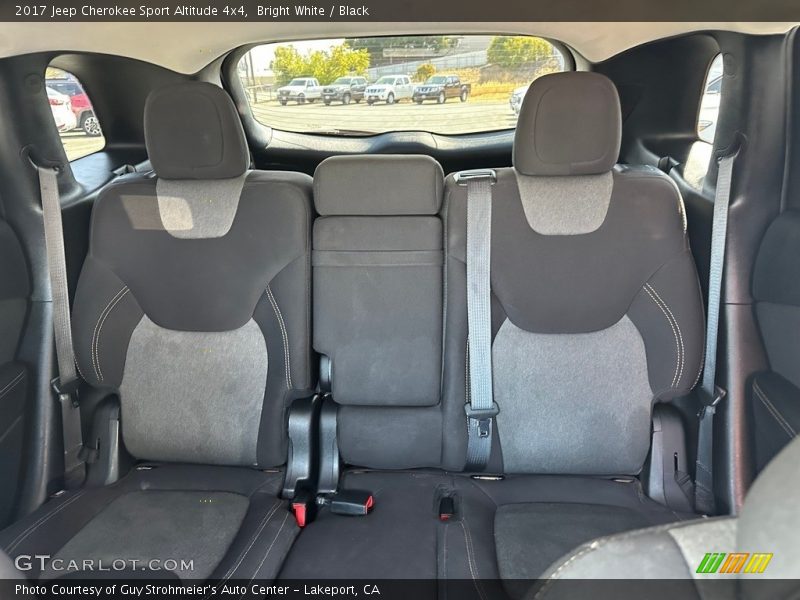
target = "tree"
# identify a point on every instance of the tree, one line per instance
(424, 71)
(287, 64)
(325, 65)
(515, 51)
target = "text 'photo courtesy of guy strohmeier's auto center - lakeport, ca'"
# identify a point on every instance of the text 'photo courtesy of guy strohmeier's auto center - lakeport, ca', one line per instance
(453, 300)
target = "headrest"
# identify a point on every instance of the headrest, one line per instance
(391, 184)
(192, 131)
(569, 124)
(769, 522)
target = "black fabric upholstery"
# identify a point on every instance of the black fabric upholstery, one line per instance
(636, 264)
(192, 131)
(378, 294)
(378, 185)
(136, 268)
(775, 406)
(267, 522)
(569, 124)
(776, 278)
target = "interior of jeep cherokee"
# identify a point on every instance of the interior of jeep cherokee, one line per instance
(480, 307)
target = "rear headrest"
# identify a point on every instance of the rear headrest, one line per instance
(569, 124)
(192, 131)
(378, 185)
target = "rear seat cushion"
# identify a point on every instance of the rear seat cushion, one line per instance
(596, 308)
(216, 517)
(194, 300)
(378, 304)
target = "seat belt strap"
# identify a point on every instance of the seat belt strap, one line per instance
(481, 408)
(710, 393)
(66, 384)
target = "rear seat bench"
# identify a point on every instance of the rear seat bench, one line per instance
(596, 314)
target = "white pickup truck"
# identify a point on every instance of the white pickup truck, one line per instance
(300, 90)
(389, 89)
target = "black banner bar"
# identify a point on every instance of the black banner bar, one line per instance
(402, 10)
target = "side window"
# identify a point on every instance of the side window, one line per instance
(73, 114)
(709, 103)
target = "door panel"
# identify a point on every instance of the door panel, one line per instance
(14, 293)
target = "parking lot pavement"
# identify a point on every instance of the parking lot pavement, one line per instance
(452, 117)
(77, 144)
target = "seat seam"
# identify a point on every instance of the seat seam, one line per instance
(773, 410)
(279, 316)
(98, 328)
(266, 519)
(12, 384)
(473, 567)
(269, 550)
(674, 334)
(43, 519)
(678, 328)
(94, 332)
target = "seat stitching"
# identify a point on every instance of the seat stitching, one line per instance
(12, 384)
(261, 526)
(776, 414)
(275, 539)
(596, 545)
(473, 567)
(94, 332)
(93, 347)
(284, 335)
(771, 409)
(100, 330)
(677, 326)
(674, 333)
(45, 517)
(444, 553)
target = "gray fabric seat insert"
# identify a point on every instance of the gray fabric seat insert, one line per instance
(193, 308)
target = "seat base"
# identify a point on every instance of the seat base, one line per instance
(497, 524)
(214, 522)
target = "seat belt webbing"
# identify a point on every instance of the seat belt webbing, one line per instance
(66, 384)
(712, 394)
(481, 408)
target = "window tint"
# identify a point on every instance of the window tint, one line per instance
(709, 103)
(494, 70)
(73, 114)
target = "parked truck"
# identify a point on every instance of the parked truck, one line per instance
(440, 88)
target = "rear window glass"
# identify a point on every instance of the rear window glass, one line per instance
(73, 114)
(362, 86)
(709, 103)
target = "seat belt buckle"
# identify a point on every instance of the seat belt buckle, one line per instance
(464, 177)
(354, 503)
(447, 508)
(482, 417)
(710, 402)
(303, 507)
(66, 391)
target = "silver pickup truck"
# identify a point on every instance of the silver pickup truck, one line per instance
(300, 90)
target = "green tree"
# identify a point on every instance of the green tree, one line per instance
(325, 65)
(287, 64)
(424, 71)
(515, 51)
